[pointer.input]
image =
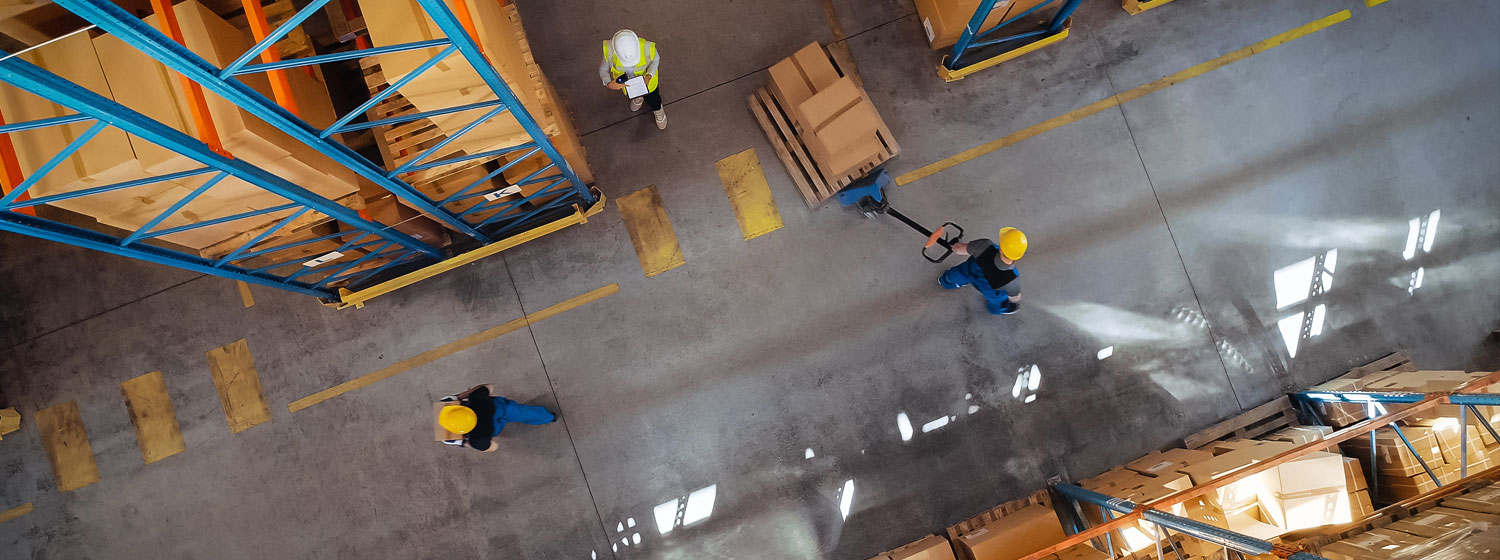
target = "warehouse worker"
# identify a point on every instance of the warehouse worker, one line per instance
(991, 268)
(627, 56)
(463, 417)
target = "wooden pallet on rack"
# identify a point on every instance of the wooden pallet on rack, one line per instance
(1253, 423)
(1394, 362)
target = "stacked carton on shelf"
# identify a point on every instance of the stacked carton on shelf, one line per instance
(1012, 536)
(931, 547)
(944, 20)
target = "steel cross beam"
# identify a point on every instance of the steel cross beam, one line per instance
(147, 39)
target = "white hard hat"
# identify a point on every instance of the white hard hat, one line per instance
(627, 47)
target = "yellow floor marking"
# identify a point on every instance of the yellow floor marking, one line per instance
(745, 184)
(1123, 97)
(12, 513)
(239, 386)
(245, 295)
(67, 446)
(156, 429)
(1373, 3)
(450, 348)
(650, 231)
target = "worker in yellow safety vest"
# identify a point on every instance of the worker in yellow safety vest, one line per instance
(627, 57)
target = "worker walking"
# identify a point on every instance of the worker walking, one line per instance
(627, 57)
(991, 269)
(479, 415)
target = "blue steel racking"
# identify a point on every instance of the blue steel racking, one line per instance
(974, 38)
(1082, 533)
(562, 187)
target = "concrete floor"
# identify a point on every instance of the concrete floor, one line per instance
(1156, 230)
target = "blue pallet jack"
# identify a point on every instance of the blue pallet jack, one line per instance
(868, 194)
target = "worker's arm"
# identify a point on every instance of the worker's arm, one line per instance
(609, 81)
(465, 395)
(961, 249)
(655, 63)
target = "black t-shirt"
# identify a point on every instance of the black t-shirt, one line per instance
(484, 430)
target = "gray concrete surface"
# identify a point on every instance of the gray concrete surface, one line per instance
(1156, 227)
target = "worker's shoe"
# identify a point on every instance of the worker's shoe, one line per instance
(635, 104)
(1005, 308)
(661, 119)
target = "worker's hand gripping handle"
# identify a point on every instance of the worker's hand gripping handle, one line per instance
(946, 236)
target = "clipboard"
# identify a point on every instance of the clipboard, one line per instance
(636, 87)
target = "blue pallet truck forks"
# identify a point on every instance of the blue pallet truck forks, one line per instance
(868, 194)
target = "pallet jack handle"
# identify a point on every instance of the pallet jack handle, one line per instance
(938, 238)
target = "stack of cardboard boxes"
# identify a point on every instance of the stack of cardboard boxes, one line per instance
(944, 20)
(1464, 527)
(1012, 536)
(831, 118)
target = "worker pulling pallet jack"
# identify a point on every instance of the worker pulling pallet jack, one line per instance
(991, 266)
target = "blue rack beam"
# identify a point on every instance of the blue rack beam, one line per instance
(974, 37)
(142, 36)
(1208, 533)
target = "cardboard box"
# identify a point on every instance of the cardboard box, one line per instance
(1253, 520)
(944, 20)
(1314, 472)
(1466, 514)
(796, 78)
(1419, 382)
(1379, 544)
(1300, 435)
(405, 219)
(1354, 474)
(1159, 463)
(1081, 552)
(1316, 509)
(1396, 488)
(1360, 506)
(1016, 535)
(1431, 525)
(931, 547)
(1393, 456)
(1483, 500)
(836, 118)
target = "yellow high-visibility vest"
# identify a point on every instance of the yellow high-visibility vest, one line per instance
(618, 68)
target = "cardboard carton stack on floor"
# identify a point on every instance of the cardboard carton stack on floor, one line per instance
(453, 81)
(944, 20)
(831, 114)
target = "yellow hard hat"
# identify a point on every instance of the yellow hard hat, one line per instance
(1012, 243)
(457, 419)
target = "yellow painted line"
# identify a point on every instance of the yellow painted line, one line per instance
(245, 295)
(67, 446)
(12, 513)
(239, 387)
(745, 185)
(451, 348)
(1123, 97)
(650, 231)
(349, 299)
(956, 75)
(156, 429)
(1373, 3)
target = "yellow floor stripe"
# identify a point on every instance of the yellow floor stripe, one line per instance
(650, 231)
(1373, 3)
(1123, 97)
(745, 184)
(156, 429)
(67, 446)
(450, 348)
(12, 513)
(239, 386)
(245, 295)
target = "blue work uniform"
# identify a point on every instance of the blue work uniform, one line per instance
(997, 281)
(499, 411)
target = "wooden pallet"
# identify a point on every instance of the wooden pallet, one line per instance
(1394, 362)
(814, 182)
(990, 516)
(1250, 424)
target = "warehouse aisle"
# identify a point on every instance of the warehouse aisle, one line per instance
(812, 393)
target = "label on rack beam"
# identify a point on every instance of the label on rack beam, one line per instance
(497, 195)
(323, 259)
